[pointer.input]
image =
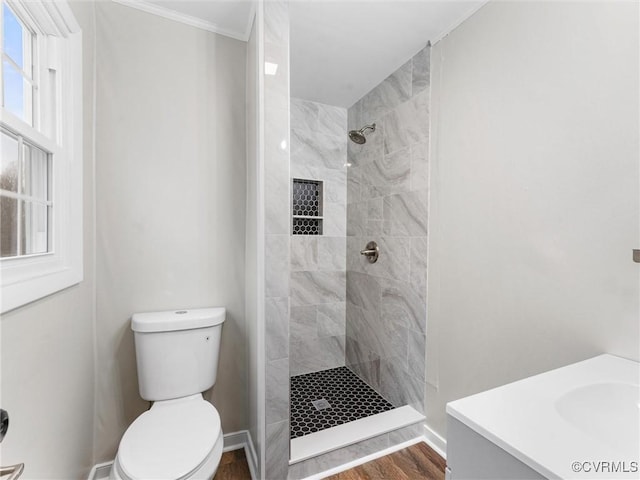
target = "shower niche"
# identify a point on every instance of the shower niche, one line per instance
(306, 207)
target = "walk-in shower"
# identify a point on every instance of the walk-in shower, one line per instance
(357, 328)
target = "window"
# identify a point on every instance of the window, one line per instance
(40, 143)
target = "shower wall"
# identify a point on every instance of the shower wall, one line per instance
(387, 201)
(318, 263)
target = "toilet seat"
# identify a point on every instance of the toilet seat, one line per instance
(171, 440)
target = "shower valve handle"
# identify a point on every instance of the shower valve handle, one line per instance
(371, 252)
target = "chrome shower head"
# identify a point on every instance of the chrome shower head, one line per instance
(357, 136)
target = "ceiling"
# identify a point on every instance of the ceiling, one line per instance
(340, 50)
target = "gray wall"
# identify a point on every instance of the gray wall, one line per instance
(255, 334)
(534, 194)
(170, 197)
(387, 202)
(47, 346)
(318, 262)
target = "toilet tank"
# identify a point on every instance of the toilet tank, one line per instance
(177, 351)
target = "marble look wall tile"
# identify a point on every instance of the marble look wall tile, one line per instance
(305, 315)
(393, 91)
(388, 175)
(304, 253)
(276, 22)
(374, 209)
(416, 354)
(316, 354)
(418, 273)
(394, 259)
(387, 197)
(357, 219)
(277, 390)
(421, 63)
(277, 450)
(312, 288)
(355, 261)
(362, 361)
(332, 121)
(363, 290)
(334, 186)
(332, 253)
(304, 115)
(277, 265)
(315, 149)
(374, 228)
(407, 124)
(277, 227)
(335, 219)
(398, 387)
(386, 338)
(331, 319)
(420, 166)
(405, 434)
(276, 98)
(405, 214)
(402, 305)
(304, 324)
(277, 186)
(354, 184)
(277, 327)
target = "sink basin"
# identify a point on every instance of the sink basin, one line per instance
(608, 412)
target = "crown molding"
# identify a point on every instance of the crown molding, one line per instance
(191, 21)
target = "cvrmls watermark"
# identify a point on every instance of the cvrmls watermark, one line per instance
(602, 466)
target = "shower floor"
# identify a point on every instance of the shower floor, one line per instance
(324, 399)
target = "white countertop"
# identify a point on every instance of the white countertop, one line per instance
(585, 412)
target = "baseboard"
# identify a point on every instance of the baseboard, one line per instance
(435, 441)
(232, 441)
(100, 471)
(242, 439)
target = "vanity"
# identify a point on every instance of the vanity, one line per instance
(581, 421)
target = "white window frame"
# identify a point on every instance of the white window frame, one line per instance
(25, 279)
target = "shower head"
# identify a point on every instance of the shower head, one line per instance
(357, 136)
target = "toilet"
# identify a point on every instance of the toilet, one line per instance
(180, 436)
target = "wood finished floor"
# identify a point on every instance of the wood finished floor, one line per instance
(233, 466)
(417, 462)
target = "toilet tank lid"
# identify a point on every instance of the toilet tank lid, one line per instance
(170, 320)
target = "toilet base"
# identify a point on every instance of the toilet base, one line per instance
(206, 471)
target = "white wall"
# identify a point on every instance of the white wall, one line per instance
(535, 194)
(170, 186)
(47, 346)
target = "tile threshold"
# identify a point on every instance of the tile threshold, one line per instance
(317, 443)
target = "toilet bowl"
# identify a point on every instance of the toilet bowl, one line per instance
(175, 439)
(180, 436)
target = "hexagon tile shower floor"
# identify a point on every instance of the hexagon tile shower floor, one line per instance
(331, 397)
